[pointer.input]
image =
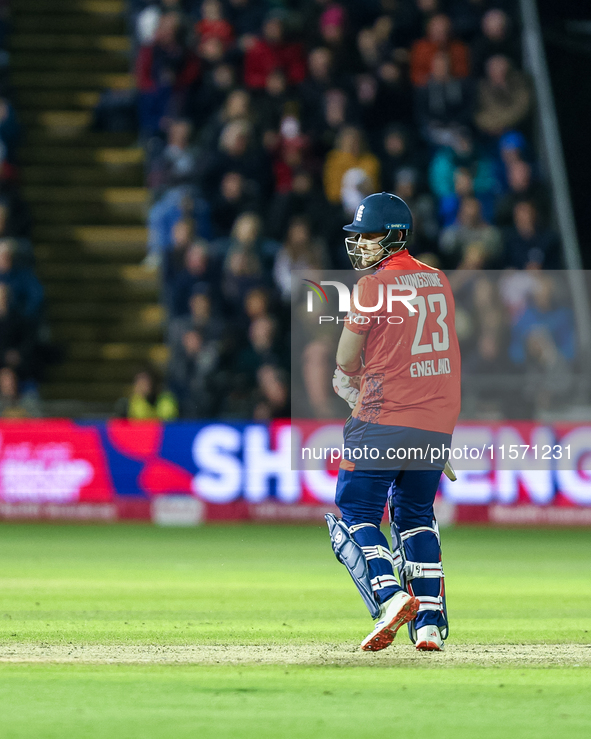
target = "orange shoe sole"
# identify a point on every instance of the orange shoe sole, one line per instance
(428, 646)
(386, 635)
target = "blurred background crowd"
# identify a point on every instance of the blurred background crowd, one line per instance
(264, 124)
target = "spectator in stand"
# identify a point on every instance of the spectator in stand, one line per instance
(504, 98)
(211, 93)
(462, 152)
(213, 25)
(303, 199)
(271, 106)
(443, 104)
(197, 267)
(247, 236)
(203, 316)
(237, 152)
(528, 244)
(26, 292)
(512, 147)
(177, 163)
(336, 110)
(147, 400)
(235, 197)
(291, 152)
(177, 204)
(165, 70)
(237, 107)
(393, 100)
(13, 403)
(449, 205)
(320, 79)
(9, 131)
(273, 392)
(300, 251)
(148, 19)
(521, 187)
(195, 355)
(256, 305)
(271, 52)
(261, 347)
(438, 39)
(243, 271)
(469, 229)
(333, 36)
(397, 153)
(497, 38)
(350, 152)
(545, 331)
(379, 99)
(18, 339)
(246, 18)
(373, 44)
(182, 235)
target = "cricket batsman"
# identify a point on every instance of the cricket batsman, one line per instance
(398, 367)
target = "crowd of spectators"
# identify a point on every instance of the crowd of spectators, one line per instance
(21, 294)
(518, 341)
(266, 123)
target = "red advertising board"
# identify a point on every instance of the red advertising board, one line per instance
(189, 472)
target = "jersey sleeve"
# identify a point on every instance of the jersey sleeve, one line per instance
(358, 321)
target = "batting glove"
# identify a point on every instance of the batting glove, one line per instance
(346, 386)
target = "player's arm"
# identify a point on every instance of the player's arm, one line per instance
(345, 380)
(350, 350)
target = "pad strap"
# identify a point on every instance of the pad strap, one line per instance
(413, 570)
(383, 581)
(357, 526)
(380, 552)
(430, 603)
(419, 530)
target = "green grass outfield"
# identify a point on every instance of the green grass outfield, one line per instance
(271, 593)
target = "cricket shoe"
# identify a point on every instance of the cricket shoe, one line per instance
(429, 639)
(394, 613)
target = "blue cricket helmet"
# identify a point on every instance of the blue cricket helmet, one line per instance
(384, 213)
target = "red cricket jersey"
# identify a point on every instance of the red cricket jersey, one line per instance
(412, 360)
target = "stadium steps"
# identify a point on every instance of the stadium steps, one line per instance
(83, 42)
(43, 137)
(110, 369)
(76, 155)
(67, 99)
(100, 291)
(56, 19)
(102, 393)
(115, 196)
(91, 253)
(86, 195)
(72, 175)
(96, 212)
(86, 81)
(82, 61)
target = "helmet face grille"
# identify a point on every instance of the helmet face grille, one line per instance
(389, 245)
